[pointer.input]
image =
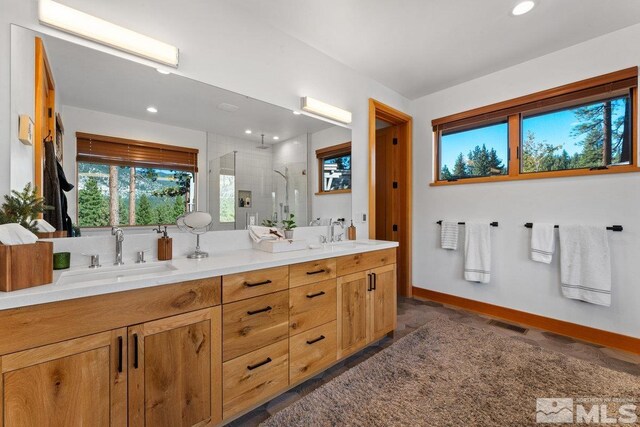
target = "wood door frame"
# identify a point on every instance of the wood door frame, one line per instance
(378, 110)
(44, 97)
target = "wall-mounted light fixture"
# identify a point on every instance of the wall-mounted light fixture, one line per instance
(326, 110)
(89, 27)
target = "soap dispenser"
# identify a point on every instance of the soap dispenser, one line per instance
(165, 244)
(351, 231)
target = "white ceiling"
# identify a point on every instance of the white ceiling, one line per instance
(417, 47)
(87, 78)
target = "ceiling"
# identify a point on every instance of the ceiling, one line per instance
(90, 79)
(417, 47)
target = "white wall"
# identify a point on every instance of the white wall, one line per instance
(517, 282)
(80, 120)
(334, 205)
(222, 45)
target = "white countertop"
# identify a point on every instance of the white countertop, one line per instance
(150, 274)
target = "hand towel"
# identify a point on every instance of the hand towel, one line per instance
(477, 252)
(15, 234)
(543, 242)
(585, 264)
(259, 233)
(449, 235)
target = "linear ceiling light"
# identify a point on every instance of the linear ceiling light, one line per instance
(84, 25)
(326, 110)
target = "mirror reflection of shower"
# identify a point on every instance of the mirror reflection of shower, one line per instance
(284, 207)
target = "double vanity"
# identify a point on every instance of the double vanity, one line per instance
(189, 342)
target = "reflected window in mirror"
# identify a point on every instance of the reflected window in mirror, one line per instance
(334, 165)
(127, 182)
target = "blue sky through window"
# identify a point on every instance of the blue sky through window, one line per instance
(493, 136)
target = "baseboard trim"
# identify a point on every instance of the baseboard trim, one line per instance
(584, 333)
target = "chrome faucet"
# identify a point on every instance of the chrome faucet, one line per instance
(115, 231)
(333, 237)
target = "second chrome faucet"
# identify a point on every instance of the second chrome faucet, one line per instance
(116, 231)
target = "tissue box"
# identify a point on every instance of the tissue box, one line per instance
(25, 266)
(276, 246)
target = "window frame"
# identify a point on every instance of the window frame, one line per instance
(514, 110)
(322, 154)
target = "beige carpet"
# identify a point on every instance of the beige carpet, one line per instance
(449, 374)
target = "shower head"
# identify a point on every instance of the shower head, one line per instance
(281, 174)
(262, 146)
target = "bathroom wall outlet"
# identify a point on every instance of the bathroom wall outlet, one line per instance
(362, 217)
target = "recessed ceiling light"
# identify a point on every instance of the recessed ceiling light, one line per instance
(275, 138)
(161, 71)
(248, 131)
(297, 113)
(152, 109)
(523, 7)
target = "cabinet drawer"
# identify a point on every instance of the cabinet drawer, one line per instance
(311, 272)
(255, 376)
(253, 323)
(312, 305)
(360, 262)
(236, 287)
(312, 351)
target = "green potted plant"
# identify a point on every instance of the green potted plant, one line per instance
(288, 225)
(23, 207)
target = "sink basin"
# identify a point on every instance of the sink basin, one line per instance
(351, 244)
(114, 274)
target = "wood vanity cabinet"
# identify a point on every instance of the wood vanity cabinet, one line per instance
(366, 299)
(175, 370)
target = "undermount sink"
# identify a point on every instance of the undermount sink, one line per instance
(114, 274)
(351, 244)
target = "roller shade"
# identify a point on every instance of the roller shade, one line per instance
(127, 152)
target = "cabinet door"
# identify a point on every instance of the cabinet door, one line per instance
(383, 301)
(353, 302)
(79, 382)
(175, 365)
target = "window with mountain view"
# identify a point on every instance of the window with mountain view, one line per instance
(589, 136)
(475, 152)
(582, 128)
(126, 182)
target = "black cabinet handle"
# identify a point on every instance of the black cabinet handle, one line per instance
(119, 354)
(316, 272)
(257, 365)
(315, 295)
(375, 281)
(135, 351)
(313, 341)
(262, 310)
(251, 285)
(370, 287)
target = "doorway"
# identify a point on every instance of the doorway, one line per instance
(44, 122)
(390, 184)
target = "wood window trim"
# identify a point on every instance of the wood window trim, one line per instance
(329, 152)
(513, 110)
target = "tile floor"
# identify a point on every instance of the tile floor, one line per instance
(412, 314)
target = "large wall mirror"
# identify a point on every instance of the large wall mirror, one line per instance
(141, 146)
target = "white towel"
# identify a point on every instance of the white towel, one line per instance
(449, 235)
(543, 242)
(477, 252)
(44, 227)
(259, 233)
(585, 263)
(15, 234)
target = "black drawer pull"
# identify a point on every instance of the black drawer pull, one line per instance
(251, 285)
(262, 310)
(375, 281)
(135, 351)
(370, 286)
(119, 354)
(315, 295)
(316, 272)
(320, 338)
(257, 365)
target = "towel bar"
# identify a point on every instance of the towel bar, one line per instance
(493, 224)
(612, 227)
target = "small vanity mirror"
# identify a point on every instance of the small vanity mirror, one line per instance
(143, 146)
